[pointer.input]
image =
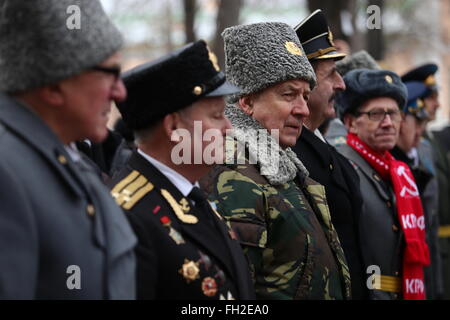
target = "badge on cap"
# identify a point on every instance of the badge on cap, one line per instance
(430, 80)
(213, 59)
(209, 287)
(190, 270)
(330, 37)
(293, 48)
(388, 79)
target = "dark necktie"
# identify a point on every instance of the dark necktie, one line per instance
(202, 205)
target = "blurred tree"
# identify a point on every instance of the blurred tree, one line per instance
(227, 15)
(372, 40)
(332, 10)
(190, 9)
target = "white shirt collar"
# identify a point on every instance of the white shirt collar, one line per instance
(319, 135)
(180, 182)
(73, 152)
(413, 154)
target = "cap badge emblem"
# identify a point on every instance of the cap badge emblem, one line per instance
(420, 103)
(388, 79)
(190, 270)
(330, 37)
(430, 80)
(293, 48)
(214, 60)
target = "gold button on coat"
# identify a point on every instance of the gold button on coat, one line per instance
(90, 210)
(62, 159)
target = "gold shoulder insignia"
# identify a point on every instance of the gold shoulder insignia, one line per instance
(176, 207)
(131, 189)
(185, 205)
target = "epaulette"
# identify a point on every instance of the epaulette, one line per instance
(131, 189)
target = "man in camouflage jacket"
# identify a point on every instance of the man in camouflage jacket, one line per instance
(280, 216)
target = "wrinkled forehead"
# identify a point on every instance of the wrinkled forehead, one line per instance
(379, 103)
(296, 84)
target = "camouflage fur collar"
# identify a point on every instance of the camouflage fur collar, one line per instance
(263, 147)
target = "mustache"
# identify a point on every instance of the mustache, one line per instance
(333, 97)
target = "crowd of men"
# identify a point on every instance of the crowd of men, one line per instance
(324, 181)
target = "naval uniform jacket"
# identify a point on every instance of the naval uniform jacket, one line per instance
(58, 222)
(382, 240)
(178, 259)
(341, 182)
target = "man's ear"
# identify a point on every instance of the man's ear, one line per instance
(246, 104)
(171, 123)
(52, 95)
(349, 120)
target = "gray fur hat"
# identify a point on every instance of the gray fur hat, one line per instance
(260, 55)
(359, 60)
(39, 46)
(364, 84)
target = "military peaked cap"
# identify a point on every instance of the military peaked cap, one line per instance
(316, 37)
(425, 74)
(171, 83)
(415, 105)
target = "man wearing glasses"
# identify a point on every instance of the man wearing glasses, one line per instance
(391, 225)
(61, 234)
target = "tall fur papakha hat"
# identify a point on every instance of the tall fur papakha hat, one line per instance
(39, 47)
(261, 55)
(171, 83)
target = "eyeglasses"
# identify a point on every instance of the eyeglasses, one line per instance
(379, 115)
(115, 71)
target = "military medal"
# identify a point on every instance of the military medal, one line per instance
(190, 270)
(209, 287)
(185, 218)
(174, 234)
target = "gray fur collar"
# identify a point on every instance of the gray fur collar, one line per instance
(277, 165)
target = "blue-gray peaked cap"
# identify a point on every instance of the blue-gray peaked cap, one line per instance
(261, 55)
(38, 47)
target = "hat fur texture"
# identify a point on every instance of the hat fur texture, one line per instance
(260, 55)
(38, 47)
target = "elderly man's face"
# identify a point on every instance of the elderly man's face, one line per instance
(282, 107)
(321, 101)
(380, 135)
(410, 132)
(209, 114)
(88, 98)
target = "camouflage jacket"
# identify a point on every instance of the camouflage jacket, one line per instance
(282, 220)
